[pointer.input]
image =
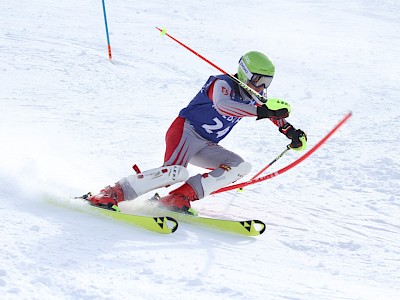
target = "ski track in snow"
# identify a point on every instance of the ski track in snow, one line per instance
(72, 122)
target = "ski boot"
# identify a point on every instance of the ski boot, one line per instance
(179, 199)
(108, 198)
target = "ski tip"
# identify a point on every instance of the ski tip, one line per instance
(165, 224)
(253, 227)
(258, 223)
(175, 224)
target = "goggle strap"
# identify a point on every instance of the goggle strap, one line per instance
(245, 69)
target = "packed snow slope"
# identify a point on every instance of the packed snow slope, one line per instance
(71, 121)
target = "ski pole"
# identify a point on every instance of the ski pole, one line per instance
(267, 166)
(271, 163)
(261, 99)
(108, 37)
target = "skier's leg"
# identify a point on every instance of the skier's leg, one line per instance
(181, 151)
(132, 186)
(138, 184)
(182, 144)
(227, 168)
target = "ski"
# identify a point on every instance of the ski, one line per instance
(163, 224)
(247, 227)
(244, 227)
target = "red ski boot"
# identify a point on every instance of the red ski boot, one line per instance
(108, 197)
(179, 200)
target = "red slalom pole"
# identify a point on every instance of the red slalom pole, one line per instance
(261, 99)
(164, 32)
(288, 167)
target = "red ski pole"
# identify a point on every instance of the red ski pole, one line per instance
(288, 167)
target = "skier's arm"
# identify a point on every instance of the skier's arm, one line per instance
(279, 123)
(219, 92)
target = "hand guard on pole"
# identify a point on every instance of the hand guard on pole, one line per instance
(298, 137)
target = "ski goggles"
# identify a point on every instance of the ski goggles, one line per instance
(258, 80)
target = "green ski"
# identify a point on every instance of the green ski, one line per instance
(162, 224)
(247, 227)
(158, 224)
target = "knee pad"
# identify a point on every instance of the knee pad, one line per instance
(155, 178)
(230, 175)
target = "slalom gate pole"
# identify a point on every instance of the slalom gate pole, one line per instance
(261, 99)
(108, 37)
(288, 167)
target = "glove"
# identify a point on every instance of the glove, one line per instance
(298, 137)
(274, 108)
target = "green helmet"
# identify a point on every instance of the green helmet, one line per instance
(255, 63)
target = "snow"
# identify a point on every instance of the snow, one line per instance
(72, 122)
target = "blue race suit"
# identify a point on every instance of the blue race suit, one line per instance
(203, 116)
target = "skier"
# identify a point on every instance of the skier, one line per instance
(194, 138)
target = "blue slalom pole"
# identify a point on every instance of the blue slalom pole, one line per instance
(108, 37)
